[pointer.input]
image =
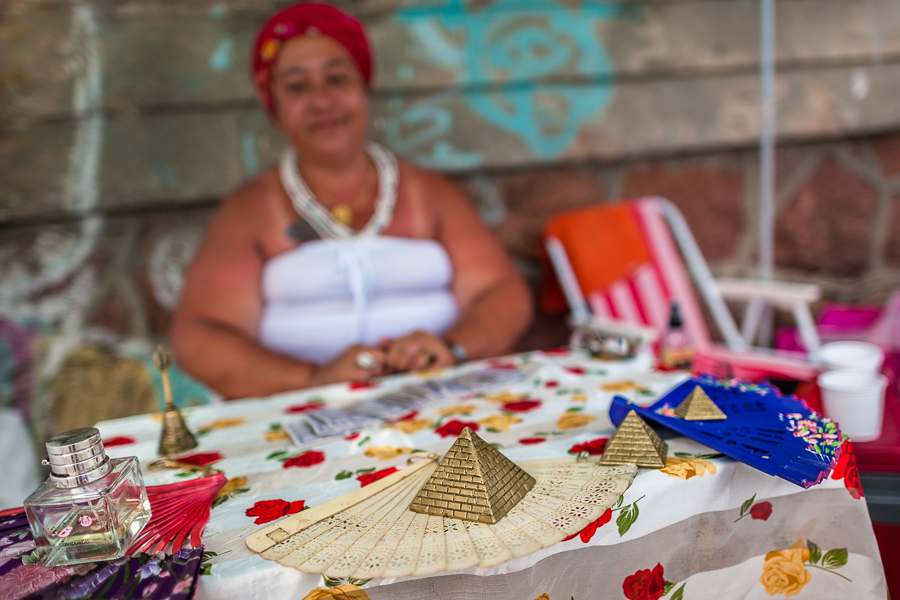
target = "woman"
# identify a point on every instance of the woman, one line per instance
(342, 262)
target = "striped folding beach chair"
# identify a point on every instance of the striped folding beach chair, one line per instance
(627, 262)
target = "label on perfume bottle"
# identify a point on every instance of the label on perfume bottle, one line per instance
(68, 543)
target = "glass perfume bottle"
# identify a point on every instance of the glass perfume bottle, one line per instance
(91, 507)
(676, 350)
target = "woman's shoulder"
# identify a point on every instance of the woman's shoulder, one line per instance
(427, 186)
(254, 210)
(265, 188)
(254, 200)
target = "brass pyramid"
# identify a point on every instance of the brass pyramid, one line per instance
(473, 482)
(635, 442)
(698, 406)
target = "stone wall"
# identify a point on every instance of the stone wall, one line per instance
(124, 122)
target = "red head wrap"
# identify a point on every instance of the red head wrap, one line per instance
(301, 19)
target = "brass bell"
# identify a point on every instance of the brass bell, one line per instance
(176, 437)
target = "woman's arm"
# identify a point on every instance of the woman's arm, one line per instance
(494, 301)
(214, 329)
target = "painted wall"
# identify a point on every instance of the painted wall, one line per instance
(124, 123)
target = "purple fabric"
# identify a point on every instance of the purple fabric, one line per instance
(15, 542)
(140, 576)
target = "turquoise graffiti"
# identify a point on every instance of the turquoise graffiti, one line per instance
(222, 57)
(420, 129)
(498, 52)
(250, 154)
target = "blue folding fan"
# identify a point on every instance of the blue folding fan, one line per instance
(776, 434)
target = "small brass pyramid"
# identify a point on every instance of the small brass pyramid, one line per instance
(473, 482)
(698, 406)
(635, 442)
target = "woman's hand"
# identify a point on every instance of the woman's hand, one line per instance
(356, 363)
(416, 351)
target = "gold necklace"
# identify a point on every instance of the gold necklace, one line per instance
(343, 211)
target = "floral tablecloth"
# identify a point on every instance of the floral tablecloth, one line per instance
(704, 526)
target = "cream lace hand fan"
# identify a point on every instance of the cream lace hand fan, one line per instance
(372, 532)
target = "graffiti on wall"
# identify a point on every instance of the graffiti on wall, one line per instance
(499, 54)
(52, 290)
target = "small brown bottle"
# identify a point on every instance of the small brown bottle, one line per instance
(676, 350)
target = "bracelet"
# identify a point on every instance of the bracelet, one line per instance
(459, 353)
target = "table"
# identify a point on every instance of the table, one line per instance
(703, 527)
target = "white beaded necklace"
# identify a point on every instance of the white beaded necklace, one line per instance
(320, 218)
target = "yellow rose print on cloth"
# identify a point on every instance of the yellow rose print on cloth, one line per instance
(504, 397)
(544, 596)
(386, 452)
(276, 435)
(411, 425)
(784, 571)
(685, 468)
(458, 409)
(232, 485)
(499, 422)
(571, 420)
(341, 592)
(624, 385)
(225, 423)
(430, 373)
(579, 397)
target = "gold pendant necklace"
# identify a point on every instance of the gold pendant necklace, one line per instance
(342, 213)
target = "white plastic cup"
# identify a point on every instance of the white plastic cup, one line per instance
(850, 356)
(855, 400)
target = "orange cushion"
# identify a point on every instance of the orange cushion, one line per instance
(604, 243)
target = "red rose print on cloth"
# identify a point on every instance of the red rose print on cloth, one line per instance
(455, 427)
(361, 385)
(645, 584)
(201, 459)
(846, 468)
(555, 351)
(551, 384)
(761, 511)
(576, 370)
(122, 440)
(588, 532)
(407, 417)
(307, 459)
(521, 405)
(302, 408)
(532, 440)
(271, 510)
(367, 478)
(591, 447)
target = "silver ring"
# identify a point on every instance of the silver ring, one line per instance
(366, 360)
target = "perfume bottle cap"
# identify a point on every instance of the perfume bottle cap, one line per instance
(77, 457)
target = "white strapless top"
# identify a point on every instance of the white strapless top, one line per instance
(326, 295)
